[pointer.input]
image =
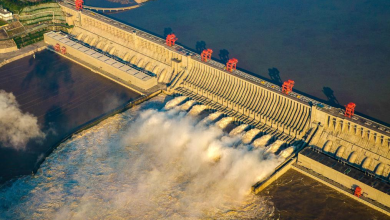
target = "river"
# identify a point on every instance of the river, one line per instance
(62, 96)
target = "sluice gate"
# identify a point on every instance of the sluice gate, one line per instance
(353, 141)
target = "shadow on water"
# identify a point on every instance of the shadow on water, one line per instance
(56, 126)
(167, 31)
(329, 93)
(55, 116)
(200, 46)
(274, 74)
(224, 55)
(48, 75)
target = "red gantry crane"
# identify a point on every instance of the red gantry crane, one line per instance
(79, 4)
(63, 50)
(171, 39)
(206, 55)
(350, 109)
(287, 86)
(358, 191)
(57, 47)
(231, 64)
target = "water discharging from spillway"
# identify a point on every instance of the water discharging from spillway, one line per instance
(210, 118)
(248, 136)
(238, 130)
(174, 102)
(187, 105)
(262, 141)
(197, 109)
(144, 164)
(224, 122)
(274, 147)
(287, 152)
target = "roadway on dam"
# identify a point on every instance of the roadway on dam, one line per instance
(62, 95)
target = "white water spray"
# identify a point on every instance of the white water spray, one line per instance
(224, 122)
(197, 109)
(211, 117)
(262, 141)
(238, 130)
(143, 165)
(187, 105)
(249, 135)
(274, 147)
(174, 102)
(287, 152)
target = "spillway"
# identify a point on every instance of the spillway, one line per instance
(187, 105)
(262, 141)
(210, 118)
(174, 102)
(250, 135)
(238, 130)
(197, 109)
(274, 147)
(224, 122)
(287, 152)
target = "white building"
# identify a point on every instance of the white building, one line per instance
(5, 14)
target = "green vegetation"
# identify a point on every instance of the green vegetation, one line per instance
(16, 6)
(2, 22)
(42, 13)
(29, 38)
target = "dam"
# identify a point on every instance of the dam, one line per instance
(343, 152)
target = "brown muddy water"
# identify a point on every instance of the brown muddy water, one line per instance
(297, 196)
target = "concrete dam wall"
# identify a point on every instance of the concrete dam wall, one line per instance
(296, 120)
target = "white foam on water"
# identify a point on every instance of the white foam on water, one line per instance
(274, 147)
(174, 102)
(187, 105)
(224, 122)
(143, 165)
(214, 115)
(197, 109)
(262, 141)
(249, 135)
(238, 130)
(211, 117)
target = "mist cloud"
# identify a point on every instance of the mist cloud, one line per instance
(145, 165)
(16, 127)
